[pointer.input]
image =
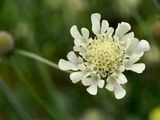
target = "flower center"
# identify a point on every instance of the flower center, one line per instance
(104, 54)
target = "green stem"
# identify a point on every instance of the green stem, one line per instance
(36, 57)
(13, 101)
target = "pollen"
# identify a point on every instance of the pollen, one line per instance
(104, 54)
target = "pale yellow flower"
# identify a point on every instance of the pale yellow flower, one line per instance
(104, 57)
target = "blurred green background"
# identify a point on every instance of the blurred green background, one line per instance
(39, 92)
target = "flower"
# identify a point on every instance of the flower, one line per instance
(104, 57)
(7, 43)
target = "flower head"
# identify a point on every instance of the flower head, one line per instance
(7, 43)
(104, 57)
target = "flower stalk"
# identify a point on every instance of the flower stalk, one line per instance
(38, 58)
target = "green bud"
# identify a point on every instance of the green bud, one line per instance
(7, 43)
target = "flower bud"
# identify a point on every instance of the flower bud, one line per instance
(7, 43)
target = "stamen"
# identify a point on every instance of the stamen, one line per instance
(104, 54)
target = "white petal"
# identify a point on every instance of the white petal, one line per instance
(72, 57)
(76, 76)
(112, 79)
(85, 34)
(109, 32)
(87, 81)
(67, 65)
(100, 83)
(110, 86)
(132, 59)
(104, 26)
(95, 19)
(77, 42)
(92, 89)
(122, 29)
(142, 46)
(128, 36)
(121, 68)
(133, 43)
(138, 68)
(75, 33)
(119, 91)
(122, 78)
(77, 48)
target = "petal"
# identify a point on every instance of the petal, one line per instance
(142, 46)
(92, 89)
(87, 81)
(122, 29)
(85, 34)
(109, 32)
(100, 83)
(121, 68)
(132, 59)
(119, 91)
(67, 65)
(132, 44)
(122, 78)
(76, 76)
(72, 57)
(78, 42)
(95, 19)
(138, 68)
(104, 26)
(128, 36)
(110, 86)
(77, 48)
(75, 33)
